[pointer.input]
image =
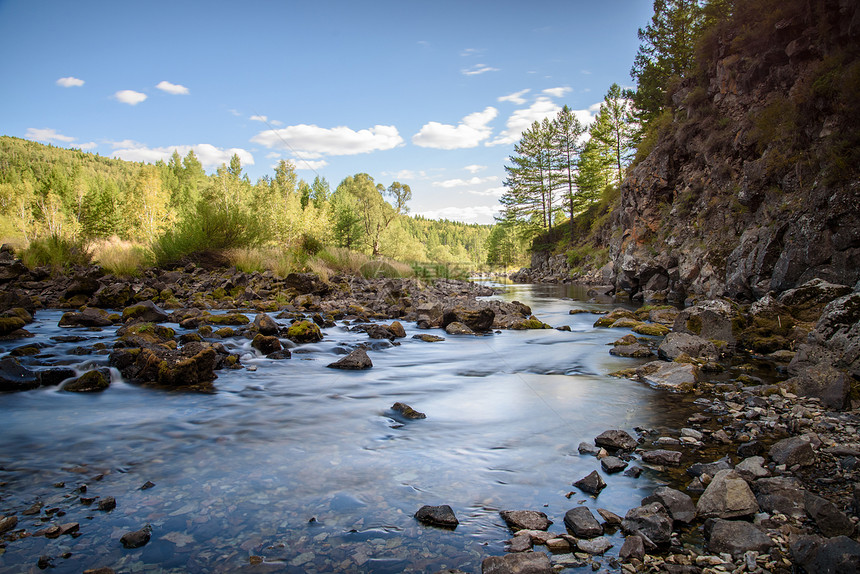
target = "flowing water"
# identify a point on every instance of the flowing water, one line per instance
(308, 468)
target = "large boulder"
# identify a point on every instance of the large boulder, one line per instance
(615, 439)
(478, 320)
(355, 361)
(145, 311)
(89, 317)
(781, 494)
(827, 516)
(676, 344)
(839, 555)
(581, 522)
(679, 505)
(737, 537)
(265, 325)
(90, 382)
(15, 377)
(727, 496)
(9, 325)
(806, 302)
(793, 450)
(112, 296)
(835, 339)
(304, 332)
(650, 521)
(680, 377)
(823, 381)
(712, 320)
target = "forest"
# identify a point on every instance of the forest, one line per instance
(59, 201)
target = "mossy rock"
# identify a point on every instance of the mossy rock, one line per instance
(143, 334)
(228, 319)
(694, 325)
(304, 332)
(205, 331)
(225, 333)
(10, 325)
(190, 372)
(625, 323)
(643, 312)
(609, 319)
(527, 324)
(90, 382)
(652, 329)
(21, 313)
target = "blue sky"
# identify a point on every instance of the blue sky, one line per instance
(430, 93)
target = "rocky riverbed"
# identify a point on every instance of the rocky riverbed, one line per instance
(760, 477)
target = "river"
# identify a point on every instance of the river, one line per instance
(308, 468)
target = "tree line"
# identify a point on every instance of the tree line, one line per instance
(175, 207)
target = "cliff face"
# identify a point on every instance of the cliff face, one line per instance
(752, 183)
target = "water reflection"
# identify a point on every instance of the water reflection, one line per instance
(309, 469)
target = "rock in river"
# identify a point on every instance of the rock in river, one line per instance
(582, 523)
(437, 516)
(14, 377)
(137, 538)
(593, 483)
(615, 440)
(407, 412)
(525, 519)
(519, 563)
(356, 360)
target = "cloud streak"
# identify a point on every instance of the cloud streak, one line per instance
(470, 132)
(209, 155)
(449, 183)
(522, 119)
(314, 142)
(477, 70)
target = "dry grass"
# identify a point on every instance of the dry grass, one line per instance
(122, 258)
(260, 259)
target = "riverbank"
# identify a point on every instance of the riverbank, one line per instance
(738, 416)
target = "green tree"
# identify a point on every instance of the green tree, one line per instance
(531, 177)
(615, 130)
(666, 51)
(376, 214)
(568, 146)
(401, 194)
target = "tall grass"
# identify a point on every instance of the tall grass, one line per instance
(56, 252)
(259, 259)
(122, 258)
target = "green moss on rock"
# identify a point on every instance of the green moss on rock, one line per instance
(304, 332)
(652, 329)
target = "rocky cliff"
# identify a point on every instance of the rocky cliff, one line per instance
(752, 183)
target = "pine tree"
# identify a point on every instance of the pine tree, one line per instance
(666, 51)
(615, 130)
(568, 133)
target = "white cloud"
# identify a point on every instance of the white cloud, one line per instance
(129, 97)
(175, 89)
(309, 164)
(448, 183)
(313, 142)
(70, 82)
(273, 155)
(478, 69)
(557, 92)
(47, 135)
(263, 119)
(475, 168)
(404, 174)
(471, 131)
(516, 98)
(87, 146)
(522, 119)
(209, 155)
(473, 214)
(491, 192)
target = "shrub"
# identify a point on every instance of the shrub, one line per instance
(57, 252)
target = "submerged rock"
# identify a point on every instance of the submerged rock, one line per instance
(137, 538)
(407, 412)
(517, 563)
